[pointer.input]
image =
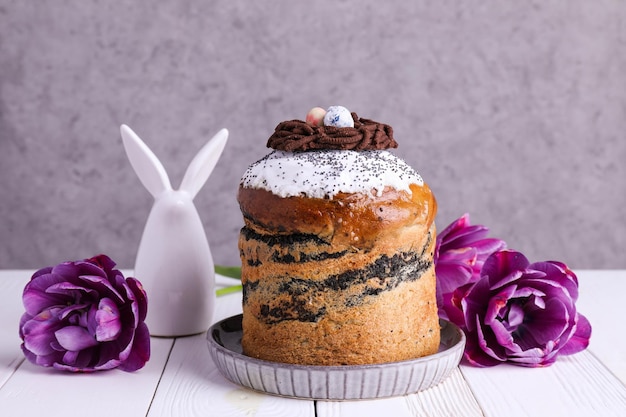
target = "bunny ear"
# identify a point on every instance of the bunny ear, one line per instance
(147, 166)
(203, 163)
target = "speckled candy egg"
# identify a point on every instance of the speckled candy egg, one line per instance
(338, 116)
(315, 116)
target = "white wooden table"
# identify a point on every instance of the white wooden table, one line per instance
(181, 380)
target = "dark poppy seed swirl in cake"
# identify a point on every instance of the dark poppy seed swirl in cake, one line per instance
(337, 258)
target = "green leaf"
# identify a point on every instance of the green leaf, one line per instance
(229, 271)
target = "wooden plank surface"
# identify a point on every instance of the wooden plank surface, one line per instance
(192, 385)
(577, 385)
(186, 382)
(452, 397)
(30, 390)
(602, 301)
(11, 287)
(37, 391)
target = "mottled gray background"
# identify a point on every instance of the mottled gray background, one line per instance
(512, 111)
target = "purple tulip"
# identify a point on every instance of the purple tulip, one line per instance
(85, 316)
(520, 312)
(460, 252)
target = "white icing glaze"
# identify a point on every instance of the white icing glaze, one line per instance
(324, 173)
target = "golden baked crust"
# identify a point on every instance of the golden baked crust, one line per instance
(347, 280)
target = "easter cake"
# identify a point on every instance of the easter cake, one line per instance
(337, 247)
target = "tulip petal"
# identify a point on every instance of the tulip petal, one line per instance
(503, 336)
(133, 305)
(497, 303)
(84, 316)
(70, 357)
(500, 281)
(101, 261)
(88, 267)
(472, 302)
(108, 321)
(448, 310)
(551, 324)
(104, 287)
(69, 289)
(504, 267)
(488, 344)
(110, 364)
(527, 292)
(533, 358)
(42, 271)
(39, 343)
(452, 275)
(140, 352)
(38, 332)
(474, 356)
(77, 361)
(141, 297)
(75, 338)
(42, 360)
(65, 270)
(559, 273)
(458, 224)
(47, 360)
(67, 311)
(109, 356)
(510, 310)
(488, 246)
(36, 298)
(515, 316)
(580, 340)
(463, 237)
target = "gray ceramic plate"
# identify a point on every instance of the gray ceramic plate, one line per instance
(332, 382)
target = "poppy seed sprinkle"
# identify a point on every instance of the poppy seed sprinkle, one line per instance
(324, 173)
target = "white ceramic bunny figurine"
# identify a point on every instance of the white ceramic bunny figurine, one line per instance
(174, 261)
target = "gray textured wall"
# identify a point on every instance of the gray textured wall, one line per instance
(513, 111)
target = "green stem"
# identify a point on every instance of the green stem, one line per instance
(229, 272)
(228, 290)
